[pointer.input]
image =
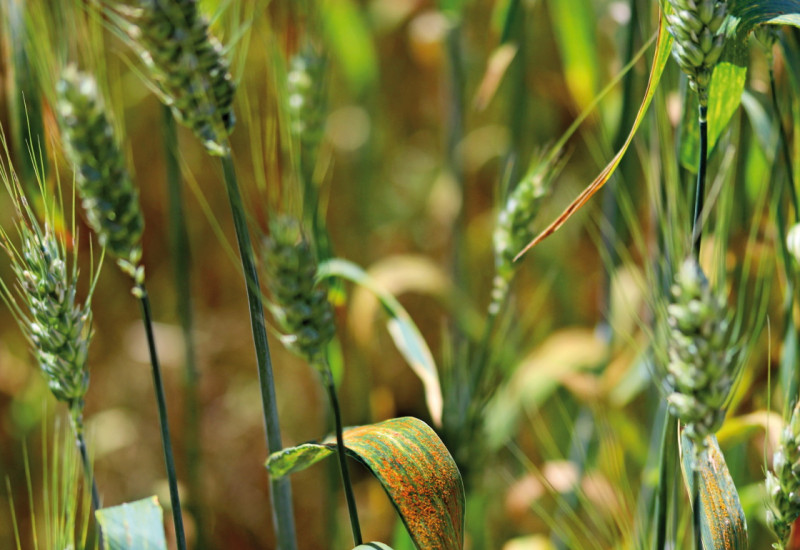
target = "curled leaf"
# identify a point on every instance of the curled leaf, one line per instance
(415, 468)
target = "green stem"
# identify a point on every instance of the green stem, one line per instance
(281, 493)
(700, 189)
(166, 440)
(179, 243)
(76, 415)
(340, 451)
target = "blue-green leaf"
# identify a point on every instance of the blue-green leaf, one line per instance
(404, 332)
(133, 526)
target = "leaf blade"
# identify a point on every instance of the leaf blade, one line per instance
(663, 49)
(404, 332)
(133, 526)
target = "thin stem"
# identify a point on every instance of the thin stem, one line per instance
(179, 243)
(700, 189)
(340, 451)
(76, 414)
(281, 493)
(166, 440)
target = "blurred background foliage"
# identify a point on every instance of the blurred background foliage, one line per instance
(428, 118)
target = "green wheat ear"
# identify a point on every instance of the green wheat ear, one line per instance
(513, 229)
(699, 40)
(305, 83)
(300, 306)
(107, 192)
(783, 482)
(187, 64)
(699, 372)
(56, 324)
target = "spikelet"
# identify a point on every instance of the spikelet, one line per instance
(783, 482)
(699, 373)
(300, 306)
(513, 228)
(187, 64)
(305, 82)
(699, 40)
(48, 311)
(108, 195)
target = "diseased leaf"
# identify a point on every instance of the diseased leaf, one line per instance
(414, 467)
(404, 332)
(722, 519)
(133, 526)
(663, 49)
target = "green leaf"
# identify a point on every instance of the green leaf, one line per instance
(724, 97)
(296, 459)
(414, 467)
(372, 546)
(349, 37)
(574, 24)
(722, 519)
(404, 332)
(749, 13)
(133, 526)
(663, 49)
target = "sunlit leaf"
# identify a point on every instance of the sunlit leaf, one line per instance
(404, 332)
(414, 467)
(133, 526)
(574, 25)
(350, 41)
(722, 519)
(663, 49)
(372, 546)
(296, 459)
(724, 97)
